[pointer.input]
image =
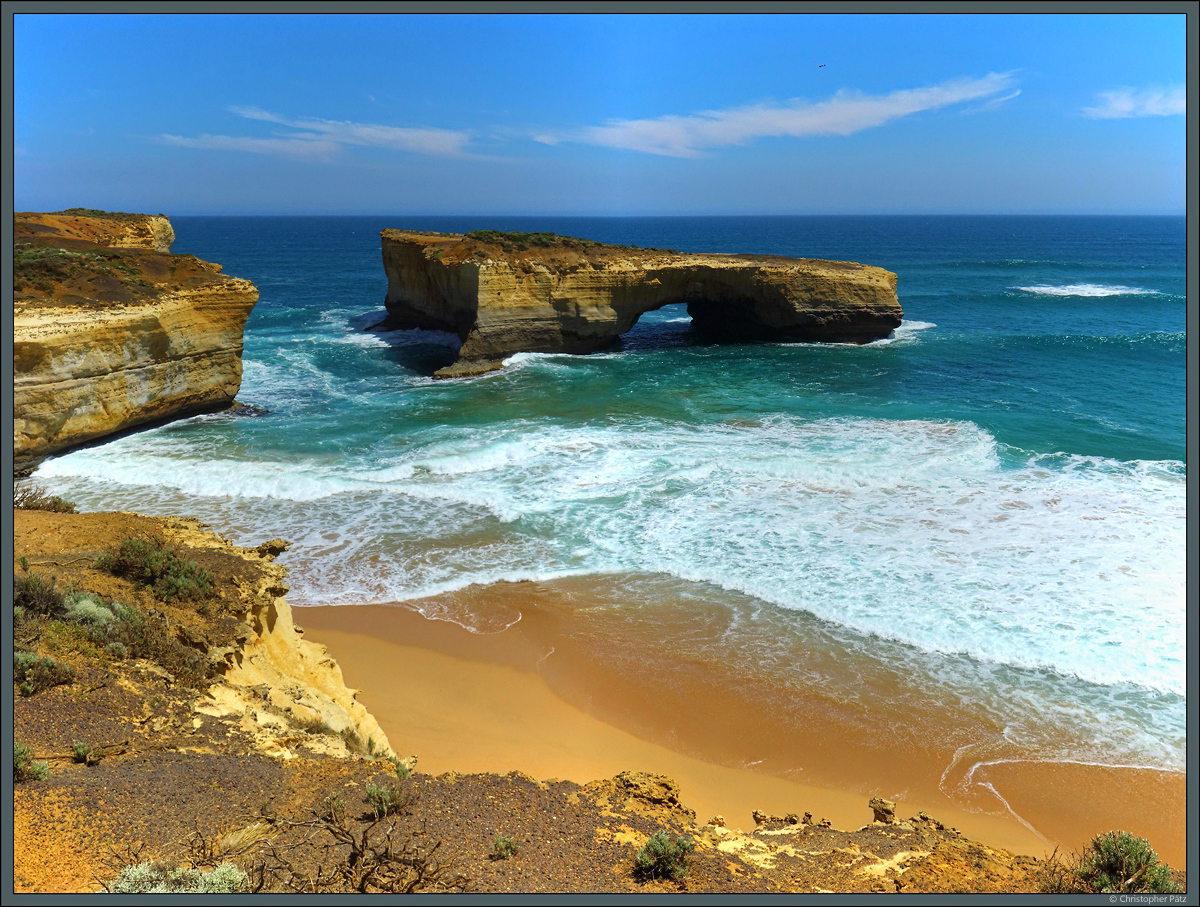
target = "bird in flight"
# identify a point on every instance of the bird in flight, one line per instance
(819, 65)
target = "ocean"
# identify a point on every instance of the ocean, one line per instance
(982, 516)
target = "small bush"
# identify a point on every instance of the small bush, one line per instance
(36, 674)
(663, 856)
(503, 848)
(117, 651)
(313, 725)
(153, 878)
(84, 609)
(1116, 862)
(387, 800)
(148, 636)
(1121, 862)
(34, 497)
(37, 594)
(402, 769)
(24, 768)
(85, 754)
(151, 563)
(355, 743)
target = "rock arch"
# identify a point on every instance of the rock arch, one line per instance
(573, 296)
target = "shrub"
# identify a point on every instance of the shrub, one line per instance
(1121, 862)
(387, 800)
(85, 754)
(314, 724)
(153, 878)
(34, 497)
(355, 743)
(86, 610)
(37, 594)
(402, 769)
(151, 563)
(503, 848)
(663, 856)
(24, 768)
(36, 674)
(141, 635)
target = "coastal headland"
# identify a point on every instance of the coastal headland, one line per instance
(506, 293)
(111, 332)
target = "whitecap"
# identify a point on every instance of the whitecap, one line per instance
(1087, 289)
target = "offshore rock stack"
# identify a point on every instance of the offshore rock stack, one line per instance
(509, 293)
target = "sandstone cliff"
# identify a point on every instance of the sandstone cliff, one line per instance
(111, 332)
(284, 694)
(113, 229)
(273, 680)
(508, 293)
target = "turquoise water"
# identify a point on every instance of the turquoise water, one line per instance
(991, 501)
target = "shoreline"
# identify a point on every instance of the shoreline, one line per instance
(482, 702)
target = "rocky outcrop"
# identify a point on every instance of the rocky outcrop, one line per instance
(508, 293)
(273, 681)
(113, 229)
(111, 332)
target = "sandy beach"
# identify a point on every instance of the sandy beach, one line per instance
(536, 688)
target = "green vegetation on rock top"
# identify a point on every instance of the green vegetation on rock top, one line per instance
(107, 215)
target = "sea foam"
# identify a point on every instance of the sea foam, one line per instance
(1086, 289)
(927, 533)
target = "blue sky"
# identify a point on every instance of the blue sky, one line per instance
(617, 114)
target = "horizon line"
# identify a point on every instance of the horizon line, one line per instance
(641, 215)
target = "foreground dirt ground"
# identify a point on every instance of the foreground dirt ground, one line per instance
(176, 784)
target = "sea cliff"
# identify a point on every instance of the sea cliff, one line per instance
(111, 332)
(504, 293)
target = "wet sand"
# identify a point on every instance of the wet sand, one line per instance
(542, 690)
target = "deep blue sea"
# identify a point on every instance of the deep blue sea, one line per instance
(992, 501)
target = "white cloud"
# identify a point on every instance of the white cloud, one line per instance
(993, 103)
(317, 138)
(1128, 102)
(291, 147)
(845, 113)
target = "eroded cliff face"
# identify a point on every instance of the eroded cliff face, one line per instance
(273, 680)
(110, 333)
(104, 228)
(502, 295)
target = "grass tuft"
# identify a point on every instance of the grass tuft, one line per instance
(503, 848)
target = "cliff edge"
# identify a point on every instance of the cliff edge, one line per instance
(504, 293)
(111, 332)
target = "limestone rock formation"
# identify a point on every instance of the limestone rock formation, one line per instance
(274, 679)
(507, 293)
(113, 229)
(111, 332)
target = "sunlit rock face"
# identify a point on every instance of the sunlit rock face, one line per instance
(110, 331)
(509, 293)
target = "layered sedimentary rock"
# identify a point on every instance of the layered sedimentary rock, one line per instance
(104, 228)
(273, 679)
(508, 293)
(111, 332)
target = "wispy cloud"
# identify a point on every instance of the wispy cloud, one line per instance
(317, 138)
(845, 113)
(1149, 102)
(290, 147)
(993, 103)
